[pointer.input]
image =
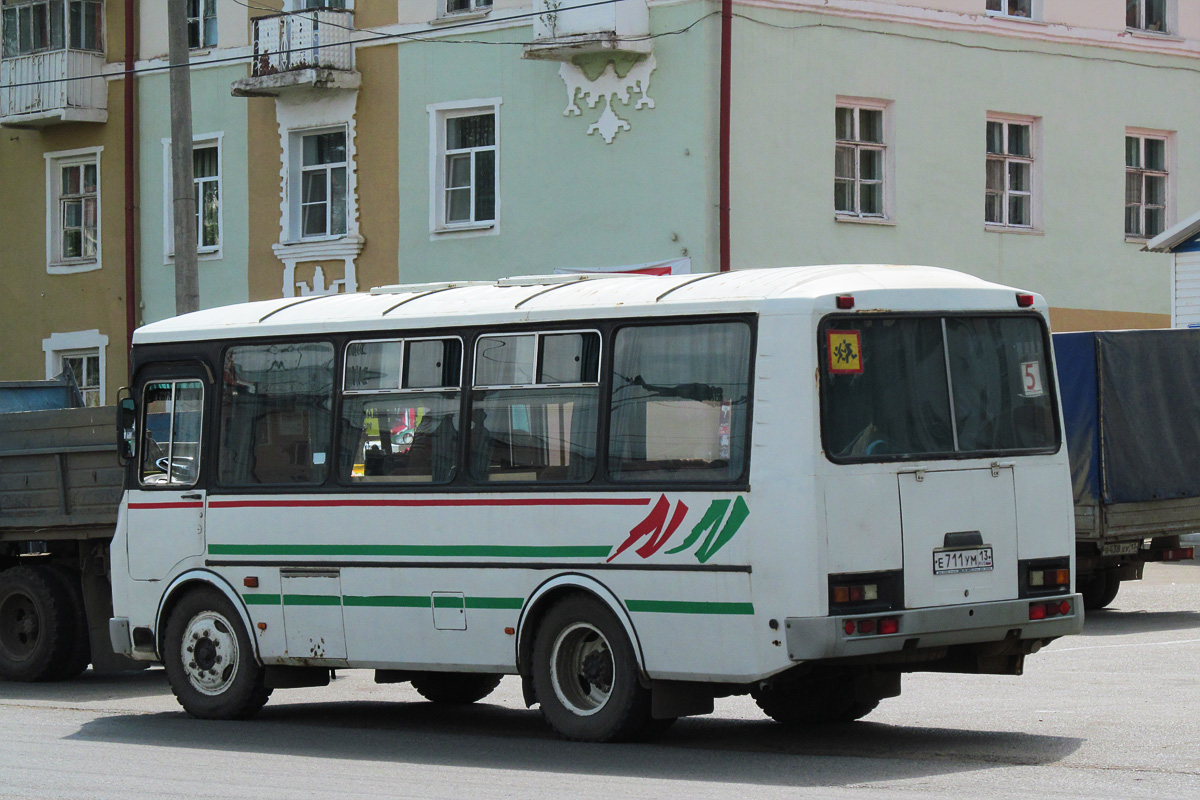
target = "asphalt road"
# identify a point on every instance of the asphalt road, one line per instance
(1113, 713)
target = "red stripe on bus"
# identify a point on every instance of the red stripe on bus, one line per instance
(515, 501)
(166, 505)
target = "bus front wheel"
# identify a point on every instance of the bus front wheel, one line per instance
(210, 659)
(585, 674)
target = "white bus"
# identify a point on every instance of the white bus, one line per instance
(636, 493)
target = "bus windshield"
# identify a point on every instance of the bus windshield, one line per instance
(910, 387)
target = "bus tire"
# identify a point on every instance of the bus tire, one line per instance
(210, 659)
(1099, 590)
(455, 688)
(823, 700)
(80, 656)
(585, 674)
(36, 627)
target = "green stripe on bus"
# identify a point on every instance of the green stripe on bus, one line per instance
(513, 603)
(689, 607)
(311, 600)
(261, 599)
(450, 550)
(388, 601)
(447, 601)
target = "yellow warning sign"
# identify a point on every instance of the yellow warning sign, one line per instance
(845, 352)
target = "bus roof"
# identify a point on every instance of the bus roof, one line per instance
(588, 296)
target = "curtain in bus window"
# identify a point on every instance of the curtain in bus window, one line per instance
(1000, 373)
(399, 438)
(276, 414)
(679, 402)
(891, 401)
(534, 434)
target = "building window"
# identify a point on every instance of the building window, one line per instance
(81, 353)
(1011, 8)
(463, 6)
(1009, 194)
(73, 210)
(464, 154)
(322, 201)
(1146, 15)
(860, 163)
(40, 25)
(202, 23)
(1145, 185)
(206, 172)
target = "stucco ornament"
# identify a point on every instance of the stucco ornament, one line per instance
(611, 87)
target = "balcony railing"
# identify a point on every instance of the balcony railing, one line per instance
(51, 87)
(567, 28)
(310, 48)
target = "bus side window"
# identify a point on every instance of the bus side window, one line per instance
(171, 433)
(400, 412)
(276, 413)
(679, 402)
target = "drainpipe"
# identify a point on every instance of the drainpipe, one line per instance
(130, 255)
(723, 168)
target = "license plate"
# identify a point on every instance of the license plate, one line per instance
(1121, 549)
(969, 559)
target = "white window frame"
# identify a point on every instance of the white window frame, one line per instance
(887, 212)
(296, 170)
(203, 253)
(1168, 140)
(55, 263)
(439, 113)
(1035, 181)
(199, 20)
(1170, 13)
(1035, 11)
(76, 343)
(474, 8)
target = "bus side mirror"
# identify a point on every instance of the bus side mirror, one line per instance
(126, 427)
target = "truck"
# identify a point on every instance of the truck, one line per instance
(1131, 405)
(60, 489)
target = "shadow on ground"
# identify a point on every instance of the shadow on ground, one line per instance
(497, 737)
(91, 687)
(1119, 622)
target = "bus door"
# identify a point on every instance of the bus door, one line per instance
(165, 513)
(960, 535)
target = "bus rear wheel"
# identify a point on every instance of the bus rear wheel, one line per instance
(210, 660)
(455, 688)
(585, 674)
(823, 699)
(37, 625)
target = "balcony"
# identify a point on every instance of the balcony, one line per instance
(45, 89)
(564, 31)
(309, 49)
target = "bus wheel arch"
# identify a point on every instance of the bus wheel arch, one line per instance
(193, 581)
(550, 594)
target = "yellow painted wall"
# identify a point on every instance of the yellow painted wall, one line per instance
(265, 270)
(377, 151)
(1089, 319)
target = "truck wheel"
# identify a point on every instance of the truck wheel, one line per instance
(585, 675)
(455, 688)
(818, 700)
(81, 650)
(1100, 590)
(35, 624)
(210, 659)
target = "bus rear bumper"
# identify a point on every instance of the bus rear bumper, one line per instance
(814, 638)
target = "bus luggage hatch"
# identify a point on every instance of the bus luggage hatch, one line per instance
(312, 614)
(960, 536)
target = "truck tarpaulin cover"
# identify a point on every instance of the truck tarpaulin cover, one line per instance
(1075, 362)
(1150, 433)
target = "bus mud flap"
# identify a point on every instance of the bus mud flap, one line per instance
(671, 699)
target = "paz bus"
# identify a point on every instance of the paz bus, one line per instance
(636, 493)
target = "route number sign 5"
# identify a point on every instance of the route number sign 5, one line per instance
(1031, 379)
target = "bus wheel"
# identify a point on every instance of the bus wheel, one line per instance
(36, 624)
(817, 700)
(1099, 590)
(210, 659)
(585, 675)
(455, 688)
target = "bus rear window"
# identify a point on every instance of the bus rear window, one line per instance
(898, 388)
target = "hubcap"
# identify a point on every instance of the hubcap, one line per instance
(20, 627)
(582, 669)
(209, 652)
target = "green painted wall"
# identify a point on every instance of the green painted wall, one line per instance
(222, 280)
(942, 84)
(567, 198)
